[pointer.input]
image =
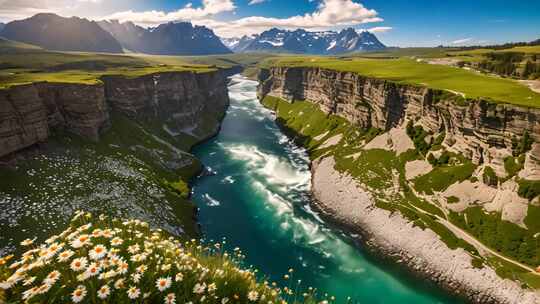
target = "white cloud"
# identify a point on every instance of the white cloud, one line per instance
(380, 29)
(462, 41)
(187, 13)
(253, 2)
(329, 14)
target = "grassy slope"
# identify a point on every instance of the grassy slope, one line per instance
(376, 169)
(409, 71)
(128, 173)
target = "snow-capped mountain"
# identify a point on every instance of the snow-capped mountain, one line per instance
(304, 42)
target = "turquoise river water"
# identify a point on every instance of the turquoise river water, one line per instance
(258, 199)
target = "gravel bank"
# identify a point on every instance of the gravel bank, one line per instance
(339, 197)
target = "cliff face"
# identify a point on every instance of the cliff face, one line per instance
(477, 129)
(29, 113)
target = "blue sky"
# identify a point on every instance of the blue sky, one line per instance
(397, 23)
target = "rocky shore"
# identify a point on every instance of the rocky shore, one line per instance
(340, 198)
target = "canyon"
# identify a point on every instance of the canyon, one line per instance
(183, 101)
(480, 131)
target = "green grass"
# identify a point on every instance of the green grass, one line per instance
(507, 238)
(21, 64)
(440, 178)
(408, 71)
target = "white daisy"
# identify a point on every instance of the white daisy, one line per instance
(78, 264)
(133, 293)
(98, 252)
(163, 283)
(52, 277)
(253, 296)
(65, 255)
(78, 294)
(104, 292)
(170, 299)
(199, 288)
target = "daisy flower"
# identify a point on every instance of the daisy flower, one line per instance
(119, 284)
(29, 281)
(224, 300)
(253, 296)
(123, 267)
(133, 249)
(133, 293)
(28, 294)
(136, 277)
(163, 283)
(44, 288)
(212, 287)
(104, 292)
(27, 242)
(78, 264)
(116, 242)
(80, 241)
(199, 288)
(78, 294)
(52, 277)
(65, 255)
(170, 299)
(93, 269)
(98, 252)
(179, 277)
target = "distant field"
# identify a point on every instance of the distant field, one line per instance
(405, 70)
(22, 63)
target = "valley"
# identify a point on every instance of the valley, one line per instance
(301, 164)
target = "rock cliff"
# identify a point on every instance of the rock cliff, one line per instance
(477, 128)
(183, 100)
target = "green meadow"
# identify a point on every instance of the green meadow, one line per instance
(409, 71)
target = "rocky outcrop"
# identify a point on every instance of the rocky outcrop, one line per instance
(30, 113)
(473, 128)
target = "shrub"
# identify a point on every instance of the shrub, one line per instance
(490, 177)
(418, 136)
(529, 189)
(181, 188)
(511, 166)
(520, 146)
(107, 260)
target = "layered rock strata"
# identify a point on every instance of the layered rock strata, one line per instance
(475, 128)
(29, 113)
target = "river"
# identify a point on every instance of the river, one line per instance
(258, 199)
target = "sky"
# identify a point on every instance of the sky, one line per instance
(396, 22)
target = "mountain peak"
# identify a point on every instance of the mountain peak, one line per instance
(301, 41)
(172, 38)
(59, 33)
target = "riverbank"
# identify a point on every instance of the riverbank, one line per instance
(339, 197)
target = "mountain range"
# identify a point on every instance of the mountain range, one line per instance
(304, 42)
(57, 33)
(180, 38)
